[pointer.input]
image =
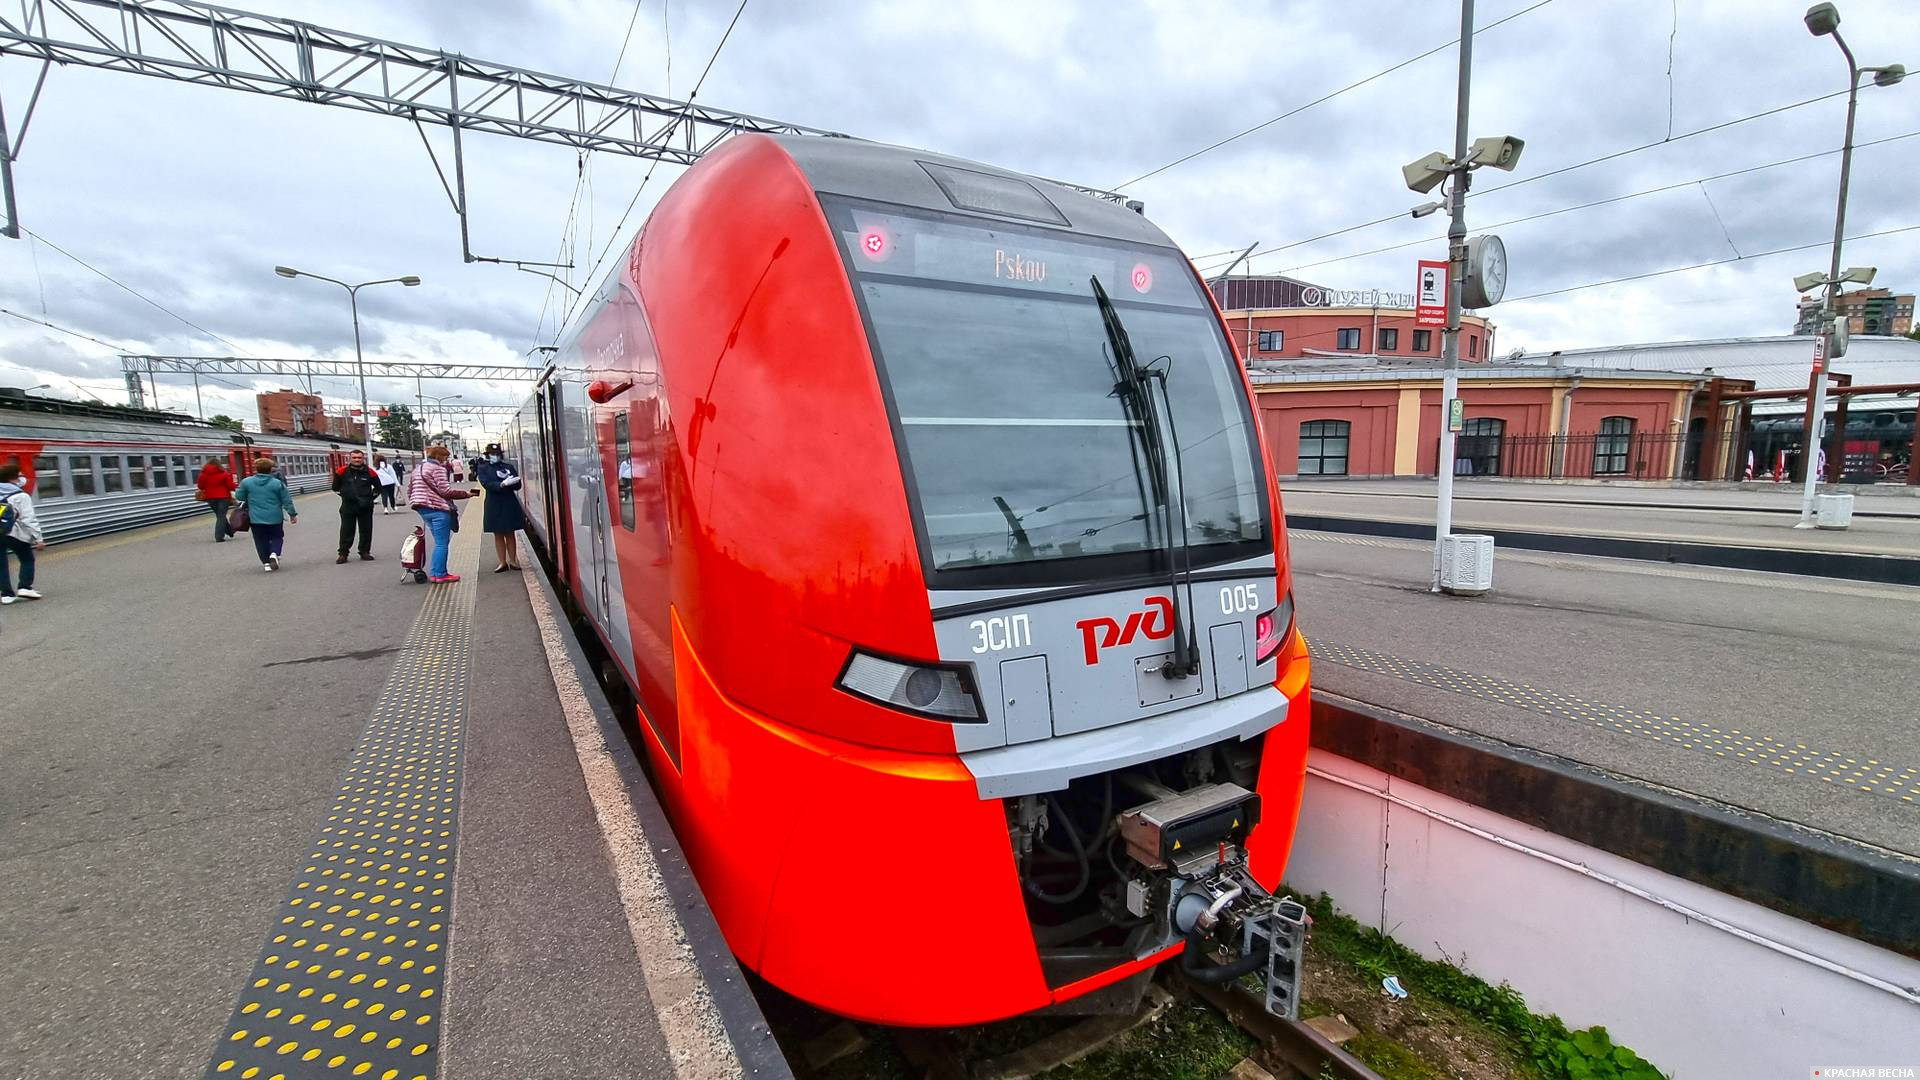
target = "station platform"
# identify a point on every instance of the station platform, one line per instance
(322, 822)
(1779, 695)
(1886, 520)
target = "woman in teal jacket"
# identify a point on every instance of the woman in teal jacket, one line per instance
(269, 504)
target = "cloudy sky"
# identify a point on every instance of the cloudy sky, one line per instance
(189, 196)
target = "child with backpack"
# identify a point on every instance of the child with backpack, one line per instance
(20, 536)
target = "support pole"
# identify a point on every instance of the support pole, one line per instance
(1817, 382)
(366, 418)
(459, 157)
(12, 228)
(1457, 274)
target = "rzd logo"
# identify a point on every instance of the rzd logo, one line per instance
(1103, 633)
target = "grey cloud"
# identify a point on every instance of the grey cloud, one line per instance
(226, 185)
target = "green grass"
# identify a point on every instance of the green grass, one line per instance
(1388, 1058)
(1543, 1044)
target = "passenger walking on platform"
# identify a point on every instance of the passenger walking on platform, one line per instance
(269, 503)
(389, 481)
(503, 514)
(359, 490)
(432, 495)
(216, 490)
(20, 536)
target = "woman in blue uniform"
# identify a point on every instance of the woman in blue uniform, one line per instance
(503, 516)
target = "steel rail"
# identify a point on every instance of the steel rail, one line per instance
(1303, 1049)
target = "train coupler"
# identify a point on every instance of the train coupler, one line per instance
(1192, 879)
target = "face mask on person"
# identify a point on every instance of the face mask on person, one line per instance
(493, 457)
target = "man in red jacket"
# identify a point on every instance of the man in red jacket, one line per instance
(216, 490)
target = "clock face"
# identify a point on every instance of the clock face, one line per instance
(1493, 269)
(1486, 272)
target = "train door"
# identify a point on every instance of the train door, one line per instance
(553, 456)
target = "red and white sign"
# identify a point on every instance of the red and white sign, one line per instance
(1819, 353)
(1430, 293)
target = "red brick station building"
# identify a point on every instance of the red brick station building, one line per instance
(1348, 385)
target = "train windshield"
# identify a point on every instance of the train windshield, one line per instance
(1024, 462)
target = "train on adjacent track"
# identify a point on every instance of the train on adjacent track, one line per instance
(922, 507)
(95, 469)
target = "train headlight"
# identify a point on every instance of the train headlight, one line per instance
(934, 691)
(1270, 630)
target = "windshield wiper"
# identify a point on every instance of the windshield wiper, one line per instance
(1140, 407)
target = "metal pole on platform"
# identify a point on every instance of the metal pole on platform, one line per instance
(1817, 381)
(359, 361)
(1457, 280)
(360, 364)
(1823, 20)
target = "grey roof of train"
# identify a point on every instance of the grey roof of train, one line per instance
(892, 174)
(57, 418)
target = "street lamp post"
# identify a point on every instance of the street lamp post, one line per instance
(1479, 264)
(359, 360)
(1823, 20)
(439, 404)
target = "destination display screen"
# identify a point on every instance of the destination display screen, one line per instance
(1014, 259)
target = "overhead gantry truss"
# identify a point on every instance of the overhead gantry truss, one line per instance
(286, 58)
(321, 369)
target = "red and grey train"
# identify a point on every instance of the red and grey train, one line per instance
(95, 469)
(923, 507)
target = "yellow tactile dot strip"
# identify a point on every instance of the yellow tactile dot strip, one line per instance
(1857, 772)
(351, 981)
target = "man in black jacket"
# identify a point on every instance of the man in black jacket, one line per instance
(359, 489)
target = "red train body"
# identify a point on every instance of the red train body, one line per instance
(811, 479)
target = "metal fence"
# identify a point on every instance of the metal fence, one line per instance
(1596, 456)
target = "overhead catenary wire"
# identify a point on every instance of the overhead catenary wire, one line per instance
(1298, 109)
(1702, 265)
(1401, 215)
(130, 290)
(594, 270)
(582, 180)
(63, 330)
(1604, 202)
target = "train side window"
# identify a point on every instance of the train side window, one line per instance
(112, 482)
(180, 470)
(46, 477)
(623, 451)
(137, 472)
(82, 474)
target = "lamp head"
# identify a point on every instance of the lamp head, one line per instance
(1425, 175)
(1822, 19)
(1809, 281)
(1862, 275)
(1888, 75)
(286, 271)
(410, 280)
(1500, 151)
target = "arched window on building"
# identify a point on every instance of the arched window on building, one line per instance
(1476, 451)
(1323, 448)
(1611, 447)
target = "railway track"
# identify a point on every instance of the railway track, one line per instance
(1293, 1042)
(822, 1047)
